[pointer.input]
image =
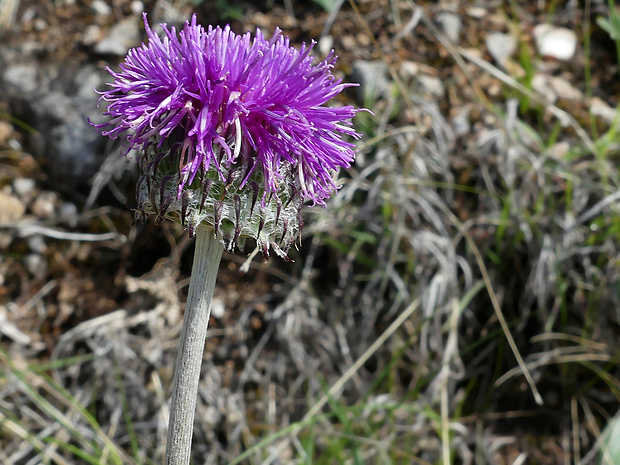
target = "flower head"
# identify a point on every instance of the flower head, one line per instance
(222, 121)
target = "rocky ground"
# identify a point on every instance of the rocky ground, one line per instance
(482, 209)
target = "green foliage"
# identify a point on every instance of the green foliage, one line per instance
(611, 25)
(609, 447)
(327, 5)
(54, 402)
(227, 10)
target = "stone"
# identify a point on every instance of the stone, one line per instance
(541, 84)
(120, 38)
(92, 34)
(372, 77)
(34, 263)
(326, 43)
(36, 243)
(24, 187)
(459, 121)
(476, 12)
(500, 46)
(601, 109)
(565, 90)
(137, 7)
(57, 100)
(451, 25)
(432, 84)
(21, 78)
(68, 213)
(101, 8)
(218, 309)
(555, 42)
(11, 208)
(409, 69)
(44, 205)
(559, 150)
(553, 88)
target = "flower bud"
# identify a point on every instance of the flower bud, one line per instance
(233, 132)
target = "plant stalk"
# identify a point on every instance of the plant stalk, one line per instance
(207, 258)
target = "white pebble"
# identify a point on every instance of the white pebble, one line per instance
(23, 186)
(217, 308)
(556, 42)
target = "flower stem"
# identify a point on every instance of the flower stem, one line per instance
(207, 258)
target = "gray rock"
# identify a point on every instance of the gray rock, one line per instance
(44, 206)
(459, 121)
(170, 12)
(55, 99)
(432, 85)
(24, 187)
(74, 139)
(137, 7)
(372, 78)
(34, 264)
(101, 8)
(501, 46)
(92, 34)
(601, 109)
(68, 213)
(451, 25)
(21, 79)
(542, 85)
(120, 38)
(36, 243)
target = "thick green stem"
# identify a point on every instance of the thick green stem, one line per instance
(207, 258)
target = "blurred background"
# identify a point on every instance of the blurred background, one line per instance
(456, 302)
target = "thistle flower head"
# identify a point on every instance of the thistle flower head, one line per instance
(233, 131)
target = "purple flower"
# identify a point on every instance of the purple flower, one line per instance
(228, 101)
